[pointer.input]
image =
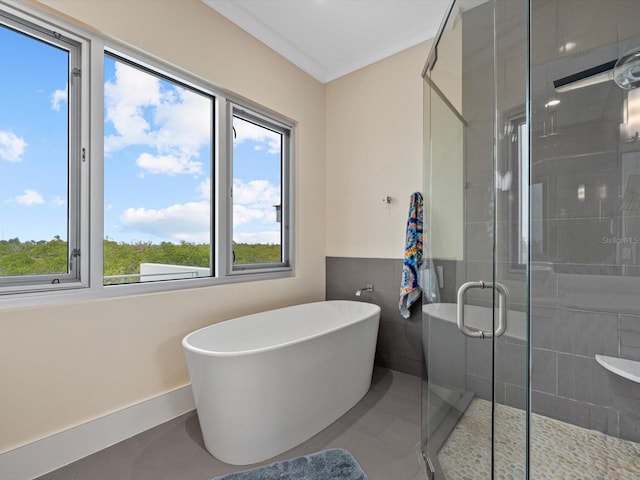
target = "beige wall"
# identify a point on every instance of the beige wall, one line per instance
(359, 139)
(374, 149)
(61, 365)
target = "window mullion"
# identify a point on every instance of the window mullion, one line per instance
(223, 248)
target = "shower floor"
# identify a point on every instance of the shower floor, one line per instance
(558, 450)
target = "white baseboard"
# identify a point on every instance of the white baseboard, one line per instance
(60, 449)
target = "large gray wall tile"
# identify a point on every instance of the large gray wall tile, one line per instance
(516, 397)
(511, 363)
(399, 344)
(630, 427)
(446, 353)
(624, 395)
(582, 379)
(480, 386)
(479, 356)
(580, 240)
(349, 271)
(602, 194)
(573, 331)
(630, 337)
(544, 370)
(449, 281)
(553, 406)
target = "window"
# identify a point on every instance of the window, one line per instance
(40, 156)
(260, 210)
(121, 174)
(158, 147)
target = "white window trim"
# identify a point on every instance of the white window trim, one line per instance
(91, 285)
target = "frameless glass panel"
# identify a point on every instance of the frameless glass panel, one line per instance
(511, 244)
(457, 415)
(475, 417)
(157, 177)
(36, 236)
(258, 209)
(585, 280)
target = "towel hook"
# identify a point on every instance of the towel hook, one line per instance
(386, 199)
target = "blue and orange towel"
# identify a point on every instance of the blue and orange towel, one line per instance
(415, 270)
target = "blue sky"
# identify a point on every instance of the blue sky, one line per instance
(33, 139)
(157, 164)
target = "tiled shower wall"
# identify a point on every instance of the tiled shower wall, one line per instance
(399, 340)
(585, 287)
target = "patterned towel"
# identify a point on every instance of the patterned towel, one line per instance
(410, 286)
(415, 271)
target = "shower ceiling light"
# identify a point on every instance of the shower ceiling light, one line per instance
(552, 103)
(568, 47)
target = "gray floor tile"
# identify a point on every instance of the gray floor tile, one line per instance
(381, 432)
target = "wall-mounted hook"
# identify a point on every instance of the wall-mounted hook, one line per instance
(386, 200)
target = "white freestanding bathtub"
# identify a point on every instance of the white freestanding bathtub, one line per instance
(267, 382)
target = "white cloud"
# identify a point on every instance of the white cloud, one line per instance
(254, 201)
(243, 215)
(272, 237)
(250, 131)
(253, 204)
(30, 197)
(255, 192)
(168, 120)
(184, 121)
(12, 147)
(188, 221)
(125, 100)
(205, 189)
(168, 164)
(58, 201)
(59, 96)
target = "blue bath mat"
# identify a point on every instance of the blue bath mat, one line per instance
(334, 464)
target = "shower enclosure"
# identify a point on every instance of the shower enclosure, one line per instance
(532, 208)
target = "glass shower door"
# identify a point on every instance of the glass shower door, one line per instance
(477, 217)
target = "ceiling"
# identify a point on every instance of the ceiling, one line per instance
(331, 38)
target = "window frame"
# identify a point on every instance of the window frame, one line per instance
(278, 125)
(184, 81)
(59, 36)
(90, 178)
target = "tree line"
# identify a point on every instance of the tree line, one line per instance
(120, 258)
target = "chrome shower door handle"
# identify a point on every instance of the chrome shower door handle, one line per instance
(503, 307)
(460, 310)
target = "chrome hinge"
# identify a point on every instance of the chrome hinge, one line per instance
(84, 154)
(74, 253)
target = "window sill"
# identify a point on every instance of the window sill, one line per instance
(75, 293)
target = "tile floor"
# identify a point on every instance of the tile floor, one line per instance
(559, 450)
(382, 432)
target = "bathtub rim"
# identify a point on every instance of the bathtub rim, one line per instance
(446, 311)
(375, 310)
